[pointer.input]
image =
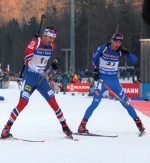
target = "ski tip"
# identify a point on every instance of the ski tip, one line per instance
(72, 138)
(75, 139)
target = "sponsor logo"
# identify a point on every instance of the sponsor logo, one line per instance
(72, 87)
(121, 92)
(50, 93)
(131, 90)
(27, 87)
(44, 50)
(97, 93)
(96, 100)
(110, 56)
(30, 47)
(32, 43)
(25, 94)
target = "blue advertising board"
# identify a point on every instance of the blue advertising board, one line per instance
(145, 91)
(0, 84)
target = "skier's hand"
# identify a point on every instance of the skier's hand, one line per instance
(42, 73)
(123, 50)
(95, 75)
(54, 66)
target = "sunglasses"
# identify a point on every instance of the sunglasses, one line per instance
(53, 31)
(118, 37)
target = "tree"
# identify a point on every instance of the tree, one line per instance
(30, 28)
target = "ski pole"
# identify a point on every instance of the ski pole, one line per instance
(120, 99)
(57, 62)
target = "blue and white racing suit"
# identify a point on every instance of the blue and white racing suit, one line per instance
(107, 63)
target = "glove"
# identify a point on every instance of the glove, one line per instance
(123, 50)
(65, 128)
(42, 73)
(95, 75)
(54, 66)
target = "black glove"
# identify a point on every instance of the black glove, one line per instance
(123, 50)
(54, 66)
(95, 75)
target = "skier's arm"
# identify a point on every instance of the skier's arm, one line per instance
(129, 56)
(96, 56)
(132, 58)
(31, 47)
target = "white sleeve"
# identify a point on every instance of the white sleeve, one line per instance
(33, 67)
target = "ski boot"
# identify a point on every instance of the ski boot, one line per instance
(6, 131)
(65, 128)
(82, 127)
(139, 124)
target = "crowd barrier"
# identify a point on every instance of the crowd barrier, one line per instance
(55, 87)
(132, 90)
(4, 84)
(12, 78)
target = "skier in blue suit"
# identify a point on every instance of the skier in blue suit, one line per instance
(105, 62)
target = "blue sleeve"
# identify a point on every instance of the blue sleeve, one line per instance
(97, 55)
(131, 58)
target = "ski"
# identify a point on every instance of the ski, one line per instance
(11, 138)
(142, 133)
(29, 140)
(97, 135)
(26, 140)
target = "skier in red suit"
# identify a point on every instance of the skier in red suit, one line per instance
(37, 54)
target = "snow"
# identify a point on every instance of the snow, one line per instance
(38, 122)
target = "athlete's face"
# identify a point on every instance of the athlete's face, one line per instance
(48, 40)
(115, 45)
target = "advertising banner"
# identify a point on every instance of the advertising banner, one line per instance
(78, 87)
(145, 91)
(131, 90)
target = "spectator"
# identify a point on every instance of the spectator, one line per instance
(64, 83)
(128, 74)
(79, 79)
(75, 78)
(88, 80)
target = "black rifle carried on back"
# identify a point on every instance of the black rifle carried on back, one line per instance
(36, 36)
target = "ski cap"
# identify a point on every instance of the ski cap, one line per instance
(117, 37)
(50, 32)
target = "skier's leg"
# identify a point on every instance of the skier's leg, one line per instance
(131, 111)
(25, 93)
(47, 92)
(96, 100)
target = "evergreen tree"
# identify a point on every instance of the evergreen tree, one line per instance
(14, 37)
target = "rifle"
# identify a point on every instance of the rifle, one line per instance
(36, 36)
